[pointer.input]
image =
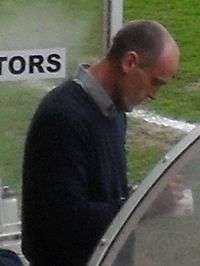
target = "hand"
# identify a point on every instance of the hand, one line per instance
(174, 189)
(168, 199)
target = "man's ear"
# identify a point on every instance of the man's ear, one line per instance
(129, 61)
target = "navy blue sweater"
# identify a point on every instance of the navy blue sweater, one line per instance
(74, 177)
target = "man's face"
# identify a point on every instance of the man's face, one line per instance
(138, 83)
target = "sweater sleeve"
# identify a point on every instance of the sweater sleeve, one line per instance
(72, 219)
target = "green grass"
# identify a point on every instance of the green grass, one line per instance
(17, 104)
(146, 145)
(141, 160)
(181, 104)
(181, 98)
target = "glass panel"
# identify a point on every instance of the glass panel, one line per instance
(74, 25)
(146, 144)
(168, 230)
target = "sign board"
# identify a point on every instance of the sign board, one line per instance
(33, 64)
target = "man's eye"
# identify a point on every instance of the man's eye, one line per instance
(159, 82)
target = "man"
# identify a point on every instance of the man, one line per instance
(74, 173)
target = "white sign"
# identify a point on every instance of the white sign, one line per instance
(31, 64)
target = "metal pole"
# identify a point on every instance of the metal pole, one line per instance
(113, 20)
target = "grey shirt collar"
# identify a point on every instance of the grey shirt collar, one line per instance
(94, 89)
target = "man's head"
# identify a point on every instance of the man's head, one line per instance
(145, 56)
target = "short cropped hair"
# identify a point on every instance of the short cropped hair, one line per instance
(147, 38)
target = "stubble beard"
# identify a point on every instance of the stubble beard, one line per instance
(121, 101)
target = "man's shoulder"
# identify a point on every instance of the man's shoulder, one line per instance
(66, 93)
(68, 101)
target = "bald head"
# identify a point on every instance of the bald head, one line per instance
(143, 57)
(146, 38)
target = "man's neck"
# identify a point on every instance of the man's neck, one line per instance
(105, 74)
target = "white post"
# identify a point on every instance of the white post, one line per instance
(113, 14)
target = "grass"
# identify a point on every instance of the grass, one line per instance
(181, 98)
(146, 144)
(141, 160)
(16, 108)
